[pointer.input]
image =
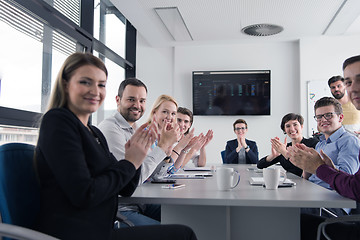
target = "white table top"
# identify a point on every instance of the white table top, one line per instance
(205, 192)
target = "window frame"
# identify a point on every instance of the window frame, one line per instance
(83, 34)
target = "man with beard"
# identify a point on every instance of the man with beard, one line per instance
(351, 120)
(118, 129)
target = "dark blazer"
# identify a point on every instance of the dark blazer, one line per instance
(286, 164)
(231, 156)
(80, 179)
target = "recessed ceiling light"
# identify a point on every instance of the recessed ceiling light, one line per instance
(174, 23)
(262, 29)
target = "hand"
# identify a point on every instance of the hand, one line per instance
(168, 137)
(185, 140)
(241, 143)
(198, 144)
(279, 146)
(193, 142)
(138, 145)
(274, 154)
(357, 133)
(305, 158)
(208, 137)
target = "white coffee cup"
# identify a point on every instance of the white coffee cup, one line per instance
(227, 178)
(272, 177)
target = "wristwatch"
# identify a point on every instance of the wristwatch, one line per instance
(247, 147)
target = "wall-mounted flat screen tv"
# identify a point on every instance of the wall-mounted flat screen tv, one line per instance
(231, 92)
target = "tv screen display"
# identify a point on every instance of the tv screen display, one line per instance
(231, 92)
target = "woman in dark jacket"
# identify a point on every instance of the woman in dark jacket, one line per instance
(241, 150)
(292, 125)
(80, 179)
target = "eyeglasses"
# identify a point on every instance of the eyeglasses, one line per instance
(327, 116)
(238, 129)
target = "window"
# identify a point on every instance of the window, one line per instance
(109, 26)
(36, 44)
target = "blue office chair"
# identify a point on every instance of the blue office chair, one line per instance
(19, 186)
(223, 156)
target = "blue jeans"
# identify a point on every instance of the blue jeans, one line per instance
(150, 216)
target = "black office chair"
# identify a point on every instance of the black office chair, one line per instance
(353, 217)
(322, 227)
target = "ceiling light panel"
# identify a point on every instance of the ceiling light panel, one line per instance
(174, 23)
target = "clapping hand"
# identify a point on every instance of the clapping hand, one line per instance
(279, 146)
(138, 145)
(308, 159)
(208, 137)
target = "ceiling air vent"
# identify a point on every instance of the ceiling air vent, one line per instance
(262, 29)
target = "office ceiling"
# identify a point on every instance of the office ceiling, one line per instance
(212, 21)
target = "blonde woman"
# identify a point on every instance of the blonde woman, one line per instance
(164, 112)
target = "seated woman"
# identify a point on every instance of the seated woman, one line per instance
(292, 125)
(80, 179)
(197, 153)
(241, 150)
(163, 113)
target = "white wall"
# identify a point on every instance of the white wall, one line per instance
(292, 64)
(154, 66)
(322, 58)
(281, 58)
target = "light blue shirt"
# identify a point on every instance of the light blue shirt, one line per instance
(343, 149)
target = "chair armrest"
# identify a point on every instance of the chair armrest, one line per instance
(321, 228)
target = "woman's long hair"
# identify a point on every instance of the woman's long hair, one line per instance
(72, 63)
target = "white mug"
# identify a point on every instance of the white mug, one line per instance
(227, 178)
(272, 177)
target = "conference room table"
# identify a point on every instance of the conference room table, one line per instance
(245, 212)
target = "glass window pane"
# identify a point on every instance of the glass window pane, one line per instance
(109, 27)
(20, 70)
(70, 8)
(18, 134)
(116, 76)
(26, 72)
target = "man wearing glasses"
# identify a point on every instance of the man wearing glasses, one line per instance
(341, 146)
(325, 167)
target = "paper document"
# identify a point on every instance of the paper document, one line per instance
(260, 181)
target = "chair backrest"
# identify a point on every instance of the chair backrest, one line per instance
(223, 156)
(19, 186)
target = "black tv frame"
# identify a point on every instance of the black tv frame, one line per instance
(231, 92)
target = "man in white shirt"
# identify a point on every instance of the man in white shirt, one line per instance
(118, 129)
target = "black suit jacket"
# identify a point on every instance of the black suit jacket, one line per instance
(80, 179)
(232, 157)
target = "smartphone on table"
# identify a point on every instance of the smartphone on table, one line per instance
(166, 181)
